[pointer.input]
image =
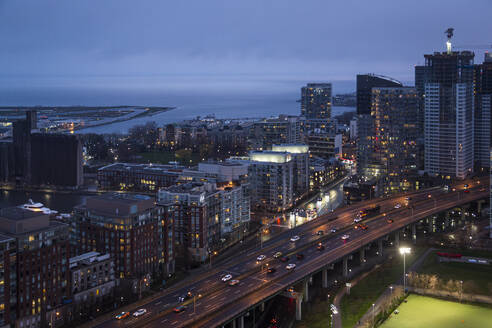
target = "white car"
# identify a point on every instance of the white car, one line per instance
(227, 277)
(295, 238)
(357, 219)
(290, 266)
(345, 237)
(398, 205)
(261, 257)
(139, 312)
(333, 230)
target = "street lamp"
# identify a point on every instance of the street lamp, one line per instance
(461, 290)
(404, 251)
(373, 313)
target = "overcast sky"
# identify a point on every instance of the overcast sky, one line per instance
(305, 39)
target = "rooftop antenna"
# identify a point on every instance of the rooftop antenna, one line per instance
(449, 33)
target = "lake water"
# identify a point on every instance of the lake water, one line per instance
(225, 97)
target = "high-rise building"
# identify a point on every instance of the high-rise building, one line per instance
(316, 101)
(36, 254)
(365, 83)
(394, 138)
(132, 228)
(281, 130)
(482, 96)
(448, 127)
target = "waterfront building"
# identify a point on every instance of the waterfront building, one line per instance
(139, 177)
(36, 254)
(316, 101)
(130, 227)
(449, 121)
(281, 130)
(271, 179)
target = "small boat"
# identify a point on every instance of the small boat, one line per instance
(32, 206)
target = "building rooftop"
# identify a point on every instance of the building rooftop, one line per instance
(118, 204)
(291, 148)
(169, 169)
(18, 214)
(270, 156)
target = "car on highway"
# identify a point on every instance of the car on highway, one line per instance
(227, 277)
(300, 256)
(122, 315)
(357, 219)
(277, 255)
(139, 312)
(290, 266)
(233, 282)
(320, 247)
(261, 257)
(408, 198)
(290, 289)
(179, 309)
(361, 226)
(284, 259)
(295, 238)
(398, 205)
(186, 296)
(345, 237)
(320, 232)
(271, 270)
(467, 190)
(389, 220)
(333, 230)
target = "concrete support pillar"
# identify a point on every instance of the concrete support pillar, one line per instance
(397, 238)
(431, 224)
(446, 220)
(298, 308)
(241, 321)
(414, 233)
(324, 278)
(306, 290)
(262, 307)
(362, 255)
(234, 323)
(380, 247)
(479, 207)
(345, 267)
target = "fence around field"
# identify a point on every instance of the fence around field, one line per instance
(475, 298)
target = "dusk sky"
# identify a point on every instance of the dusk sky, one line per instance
(308, 39)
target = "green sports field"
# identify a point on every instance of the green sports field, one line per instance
(421, 311)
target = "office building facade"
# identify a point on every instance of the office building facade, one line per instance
(281, 130)
(316, 101)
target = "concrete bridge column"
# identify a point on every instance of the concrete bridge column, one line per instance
(345, 267)
(380, 247)
(324, 278)
(479, 207)
(397, 238)
(241, 321)
(446, 219)
(234, 323)
(306, 290)
(362, 255)
(414, 233)
(298, 308)
(262, 307)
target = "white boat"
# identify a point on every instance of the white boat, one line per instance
(32, 206)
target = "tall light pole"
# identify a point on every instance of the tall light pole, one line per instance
(373, 314)
(404, 251)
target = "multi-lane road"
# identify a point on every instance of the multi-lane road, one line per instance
(215, 302)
